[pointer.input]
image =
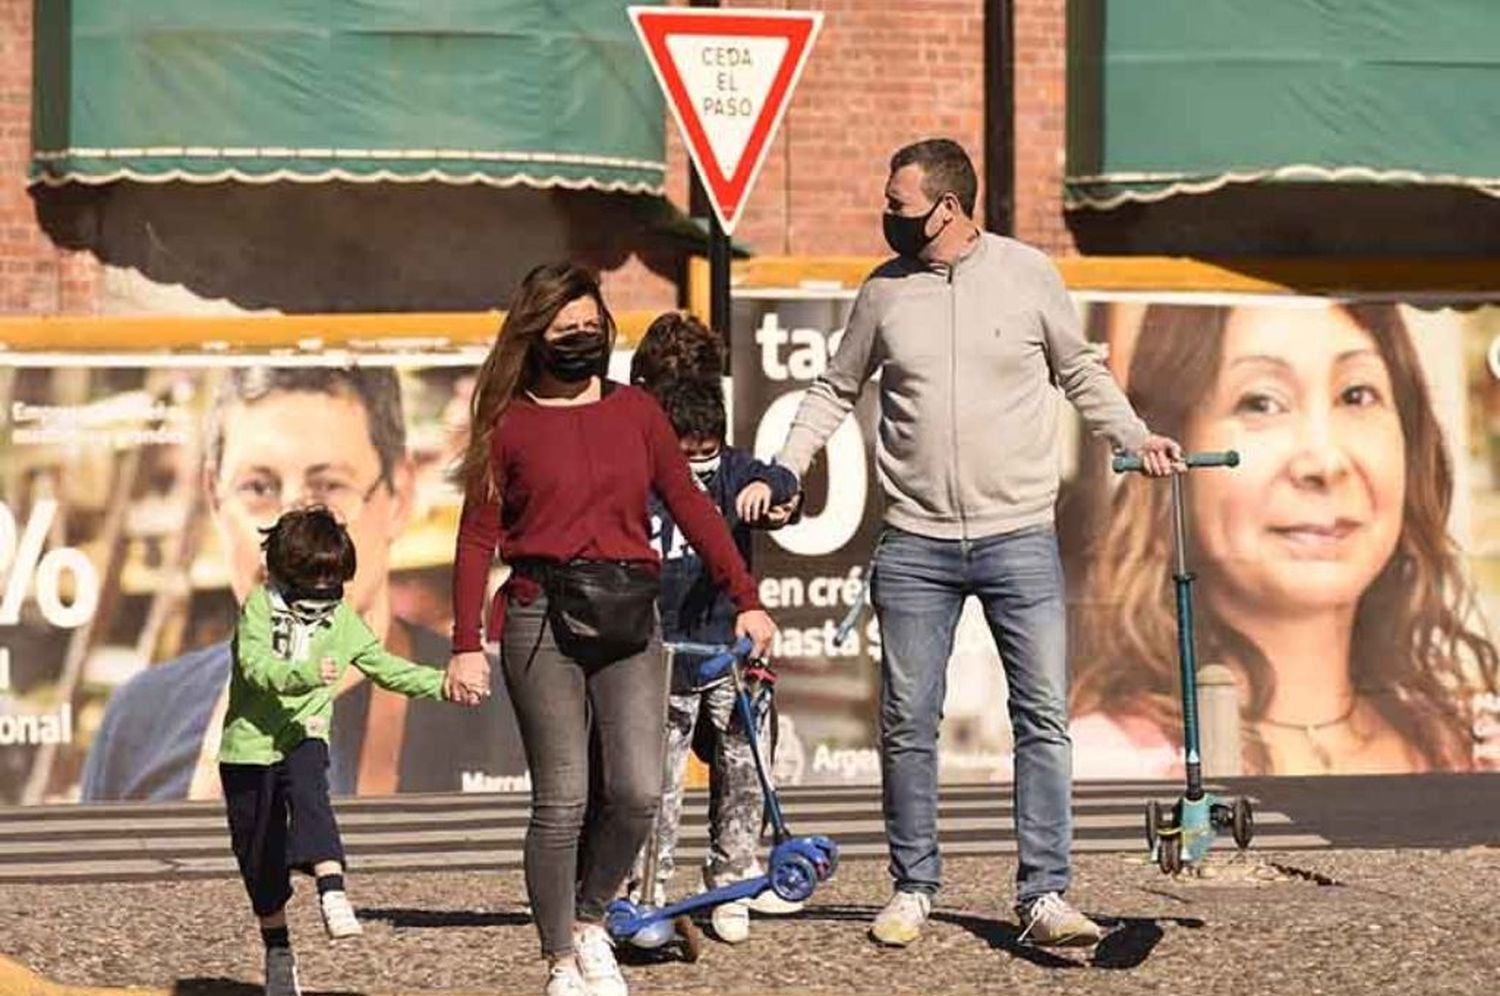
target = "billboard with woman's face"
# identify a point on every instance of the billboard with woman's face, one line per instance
(1345, 570)
(1340, 568)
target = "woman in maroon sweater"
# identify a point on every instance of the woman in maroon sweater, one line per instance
(558, 468)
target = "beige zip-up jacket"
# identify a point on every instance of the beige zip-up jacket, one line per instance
(970, 359)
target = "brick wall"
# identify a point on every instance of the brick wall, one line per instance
(35, 276)
(882, 74)
(1041, 123)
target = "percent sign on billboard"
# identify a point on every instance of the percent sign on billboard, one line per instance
(29, 568)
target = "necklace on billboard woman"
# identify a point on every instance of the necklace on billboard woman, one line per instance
(1312, 732)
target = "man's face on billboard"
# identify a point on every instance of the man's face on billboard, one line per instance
(299, 448)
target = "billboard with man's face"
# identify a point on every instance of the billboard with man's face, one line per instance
(132, 496)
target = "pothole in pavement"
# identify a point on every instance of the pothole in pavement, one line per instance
(1241, 870)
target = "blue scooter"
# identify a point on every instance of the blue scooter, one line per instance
(1182, 837)
(797, 864)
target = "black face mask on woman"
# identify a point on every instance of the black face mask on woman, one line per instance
(908, 236)
(576, 356)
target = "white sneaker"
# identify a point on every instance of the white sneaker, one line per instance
(1049, 919)
(901, 921)
(281, 973)
(563, 980)
(338, 915)
(596, 962)
(768, 903)
(731, 922)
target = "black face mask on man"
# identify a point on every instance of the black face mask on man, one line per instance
(908, 236)
(576, 356)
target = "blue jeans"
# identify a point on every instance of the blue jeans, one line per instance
(919, 587)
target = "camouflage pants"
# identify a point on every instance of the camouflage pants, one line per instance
(736, 801)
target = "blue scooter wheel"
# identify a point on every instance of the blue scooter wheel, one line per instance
(617, 916)
(794, 878)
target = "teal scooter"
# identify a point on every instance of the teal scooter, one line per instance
(1180, 837)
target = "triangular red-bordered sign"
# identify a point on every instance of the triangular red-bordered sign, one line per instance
(728, 75)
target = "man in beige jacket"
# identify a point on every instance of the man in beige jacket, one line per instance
(972, 334)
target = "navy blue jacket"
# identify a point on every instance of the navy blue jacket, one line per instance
(692, 608)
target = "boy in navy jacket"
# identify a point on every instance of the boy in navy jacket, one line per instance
(746, 490)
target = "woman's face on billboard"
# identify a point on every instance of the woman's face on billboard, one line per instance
(1313, 513)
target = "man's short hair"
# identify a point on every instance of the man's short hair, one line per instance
(946, 168)
(695, 408)
(377, 389)
(676, 346)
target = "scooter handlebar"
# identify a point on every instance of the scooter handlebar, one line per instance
(718, 665)
(1125, 463)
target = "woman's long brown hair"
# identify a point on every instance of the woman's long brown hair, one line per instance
(1413, 652)
(513, 361)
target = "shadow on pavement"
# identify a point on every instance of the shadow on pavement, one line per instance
(1128, 943)
(400, 917)
(233, 987)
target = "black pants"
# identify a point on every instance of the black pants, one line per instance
(280, 820)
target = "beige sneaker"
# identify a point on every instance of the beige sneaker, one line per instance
(901, 921)
(1051, 921)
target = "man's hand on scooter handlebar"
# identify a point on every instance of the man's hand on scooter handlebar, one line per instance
(1161, 456)
(758, 627)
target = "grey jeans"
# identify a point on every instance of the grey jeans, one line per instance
(573, 868)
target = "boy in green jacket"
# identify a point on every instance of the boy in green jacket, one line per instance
(294, 640)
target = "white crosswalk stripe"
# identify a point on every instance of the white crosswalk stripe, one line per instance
(186, 840)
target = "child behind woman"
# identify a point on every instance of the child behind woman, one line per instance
(679, 352)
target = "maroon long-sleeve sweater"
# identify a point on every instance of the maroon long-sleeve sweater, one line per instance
(573, 482)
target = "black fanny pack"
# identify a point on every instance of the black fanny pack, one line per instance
(599, 610)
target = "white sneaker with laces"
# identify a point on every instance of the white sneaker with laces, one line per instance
(563, 980)
(1051, 920)
(281, 973)
(596, 962)
(338, 915)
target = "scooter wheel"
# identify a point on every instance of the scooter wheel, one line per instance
(794, 878)
(619, 913)
(692, 938)
(1244, 823)
(1155, 820)
(1169, 854)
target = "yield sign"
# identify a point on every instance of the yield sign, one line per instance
(729, 75)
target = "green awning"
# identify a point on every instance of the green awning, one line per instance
(503, 92)
(1185, 96)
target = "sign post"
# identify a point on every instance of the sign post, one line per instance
(728, 75)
